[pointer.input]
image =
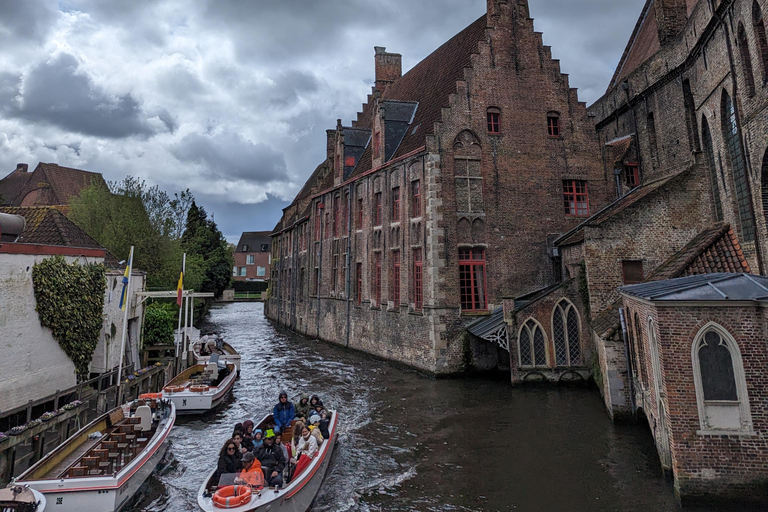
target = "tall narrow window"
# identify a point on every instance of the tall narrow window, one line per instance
(336, 215)
(416, 198)
(565, 333)
(377, 278)
(395, 282)
(376, 144)
(641, 351)
(633, 174)
(709, 152)
(762, 42)
(472, 285)
(576, 198)
(359, 279)
(532, 345)
(377, 209)
(652, 144)
(360, 213)
(746, 61)
(345, 214)
(417, 281)
(467, 167)
(318, 221)
(327, 224)
(690, 116)
(396, 204)
(493, 117)
(553, 124)
(732, 142)
(334, 273)
(317, 281)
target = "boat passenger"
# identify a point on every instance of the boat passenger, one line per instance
(284, 412)
(314, 421)
(248, 435)
(297, 428)
(306, 444)
(272, 461)
(251, 474)
(229, 461)
(258, 438)
(324, 423)
(315, 401)
(279, 443)
(302, 407)
(237, 437)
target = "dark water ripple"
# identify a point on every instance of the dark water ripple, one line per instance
(408, 442)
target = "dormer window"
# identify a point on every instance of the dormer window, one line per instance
(494, 120)
(245, 248)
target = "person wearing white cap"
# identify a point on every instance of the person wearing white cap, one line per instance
(314, 421)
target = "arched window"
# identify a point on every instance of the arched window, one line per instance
(709, 152)
(565, 334)
(721, 389)
(762, 42)
(746, 61)
(532, 344)
(732, 142)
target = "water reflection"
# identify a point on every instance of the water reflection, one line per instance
(408, 442)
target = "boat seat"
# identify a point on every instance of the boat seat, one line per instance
(92, 463)
(76, 471)
(134, 420)
(111, 447)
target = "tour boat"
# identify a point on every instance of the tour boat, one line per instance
(21, 498)
(202, 387)
(103, 465)
(214, 344)
(296, 496)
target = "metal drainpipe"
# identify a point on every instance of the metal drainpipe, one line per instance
(319, 268)
(630, 377)
(349, 260)
(742, 147)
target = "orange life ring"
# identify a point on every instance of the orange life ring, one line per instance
(201, 388)
(232, 496)
(150, 396)
(173, 389)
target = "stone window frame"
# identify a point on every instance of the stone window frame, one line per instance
(533, 353)
(745, 414)
(565, 309)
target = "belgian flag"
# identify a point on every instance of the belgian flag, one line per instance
(180, 286)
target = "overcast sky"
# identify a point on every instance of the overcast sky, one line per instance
(231, 98)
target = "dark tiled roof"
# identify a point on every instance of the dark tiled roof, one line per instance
(48, 226)
(705, 287)
(488, 324)
(618, 149)
(576, 234)
(53, 184)
(254, 240)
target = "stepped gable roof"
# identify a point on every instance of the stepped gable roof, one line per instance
(576, 235)
(254, 240)
(705, 287)
(48, 185)
(429, 83)
(643, 43)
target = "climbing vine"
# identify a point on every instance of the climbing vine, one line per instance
(70, 302)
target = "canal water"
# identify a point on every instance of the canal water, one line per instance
(408, 442)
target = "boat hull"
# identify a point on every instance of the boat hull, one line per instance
(188, 402)
(298, 496)
(230, 356)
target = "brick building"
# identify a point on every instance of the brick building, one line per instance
(253, 256)
(421, 218)
(47, 185)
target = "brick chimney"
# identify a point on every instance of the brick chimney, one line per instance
(22, 167)
(389, 67)
(671, 16)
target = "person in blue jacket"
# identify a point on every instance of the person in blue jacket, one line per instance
(283, 413)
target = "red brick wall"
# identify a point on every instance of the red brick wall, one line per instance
(261, 259)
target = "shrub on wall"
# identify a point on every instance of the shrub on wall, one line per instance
(159, 322)
(70, 302)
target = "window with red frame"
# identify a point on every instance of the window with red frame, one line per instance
(493, 121)
(633, 175)
(360, 213)
(377, 278)
(359, 278)
(377, 209)
(396, 204)
(416, 198)
(472, 289)
(418, 297)
(576, 198)
(318, 220)
(395, 277)
(376, 144)
(336, 215)
(553, 125)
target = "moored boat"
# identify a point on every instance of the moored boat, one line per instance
(202, 387)
(21, 498)
(211, 344)
(295, 496)
(103, 465)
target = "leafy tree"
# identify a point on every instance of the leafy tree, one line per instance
(159, 323)
(167, 215)
(202, 238)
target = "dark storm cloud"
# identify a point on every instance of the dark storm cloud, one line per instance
(290, 85)
(25, 21)
(229, 155)
(57, 93)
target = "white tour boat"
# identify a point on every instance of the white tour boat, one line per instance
(202, 387)
(296, 496)
(103, 465)
(21, 498)
(211, 344)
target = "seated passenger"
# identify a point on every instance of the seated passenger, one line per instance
(229, 461)
(314, 402)
(302, 407)
(324, 423)
(248, 435)
(251, 474)
(306, 444)
(272, 461)
(283, 413)
(314, 421)
(279, 443)
(237, 437)
(258, 438)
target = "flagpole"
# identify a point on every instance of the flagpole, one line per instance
(178, 343)
(126, 304)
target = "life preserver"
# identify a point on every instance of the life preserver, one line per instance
(173, 389)
(150, 396)
(232, 496)
(201, 388)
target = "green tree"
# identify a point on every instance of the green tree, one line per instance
(159, 323)
(203, 239)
